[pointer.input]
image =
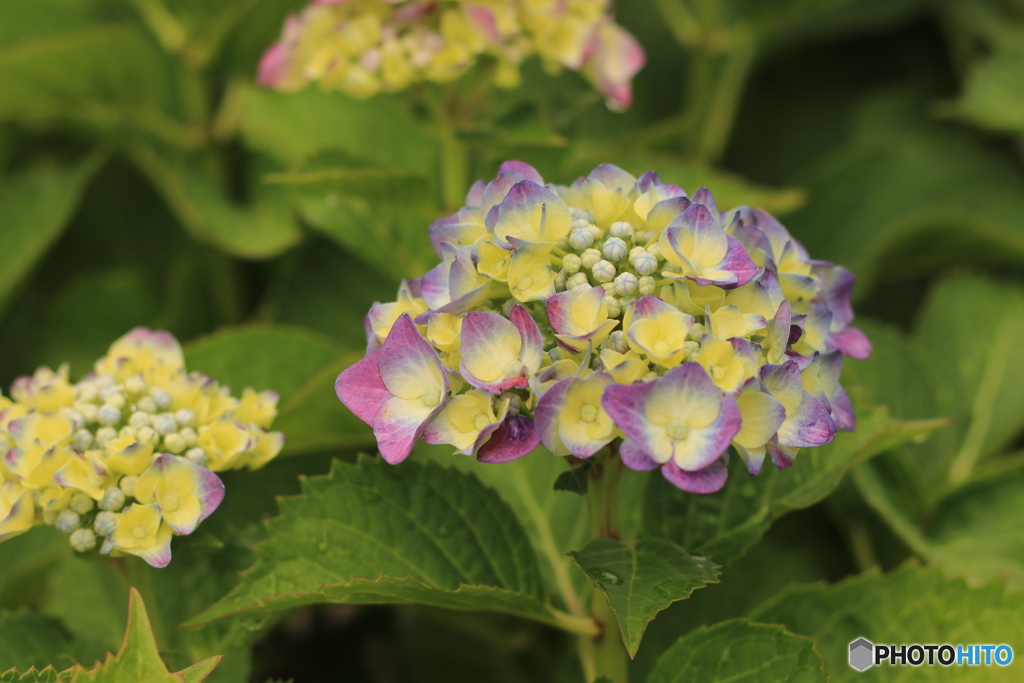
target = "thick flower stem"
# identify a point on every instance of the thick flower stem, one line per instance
(604, 654)
(453, 151)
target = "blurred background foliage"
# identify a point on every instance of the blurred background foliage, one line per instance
(145, 180)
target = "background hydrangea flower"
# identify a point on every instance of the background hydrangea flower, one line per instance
(363, 47)
(125, 458)
(679, 329)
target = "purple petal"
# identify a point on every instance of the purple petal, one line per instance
(808, 422)
(780, 331)
(712, 441)
(435, 282)
(830, 366)
(612, 177)
(372, 343)
(559, 308)
(852, 342)
(634, 457)
(515, 438)
(707, 480)
(397, 433)
(476, 193)
(532, 352)
(625, 403)
(704, 197)
(460, 229)
(698, 219)
(361, 389)
(494, 194)
(524, 169)
(515, 214)
(549, 407)
(738, 262)
(665, 211)
(838, 287)
(780, 458)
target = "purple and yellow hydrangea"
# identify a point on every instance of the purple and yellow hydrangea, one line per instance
(364, 47)
(126, 457)
(646, 320)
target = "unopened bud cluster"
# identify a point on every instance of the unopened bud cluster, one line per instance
(125, 458)
(362, 47)
(615, 311)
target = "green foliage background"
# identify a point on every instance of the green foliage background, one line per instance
(145, 180)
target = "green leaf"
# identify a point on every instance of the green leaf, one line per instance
(802, 547)
(259, 229)
(642, 578)
(280, 358)
(313, 419)
(36, 205)
(318, 295)
(32, 640)
(62, 62)
(555, 523)
(90, 600)
(27, 562)
(576, 480)
(295, 127)
(884, 204)
(33, 675)
(725, 524)
(964, 372)
(978, 533)
(301, 366)
(974, 369)
(138, 659)
(740, 651)
(392, 237)
(992, 97)
(374, 533)
(91, 310)
(909, 605)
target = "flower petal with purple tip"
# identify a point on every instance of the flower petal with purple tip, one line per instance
(500, 353)
(397, 389)
(635, 458)
(807, 421)
(851, 342)
(532, 213)
(681, 416)
(571, 419)
(185, 492)
(516, 437)
(705, 480)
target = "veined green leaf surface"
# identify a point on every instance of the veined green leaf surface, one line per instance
(642, 578)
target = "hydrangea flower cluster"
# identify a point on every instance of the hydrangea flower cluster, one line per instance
(363, 47)
(617, 308)
(126, 457)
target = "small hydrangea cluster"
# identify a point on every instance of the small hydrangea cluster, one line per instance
(363, 47)
(126, 457)
(615, 308)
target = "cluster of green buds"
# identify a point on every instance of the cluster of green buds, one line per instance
(125, 458)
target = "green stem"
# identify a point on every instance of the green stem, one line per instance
(604, 654)
(453, 151)
(716, 86)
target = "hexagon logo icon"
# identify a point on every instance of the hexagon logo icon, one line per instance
(862, 654)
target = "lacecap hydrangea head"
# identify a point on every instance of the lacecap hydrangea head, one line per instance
(363, 47)
(125, 459)
(614, 311)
